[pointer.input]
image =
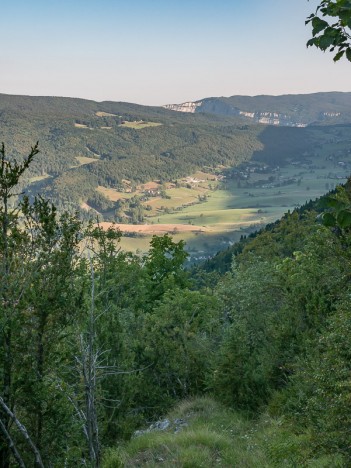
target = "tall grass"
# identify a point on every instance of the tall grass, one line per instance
(218, 437)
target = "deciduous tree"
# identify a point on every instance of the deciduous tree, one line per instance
(331, 28)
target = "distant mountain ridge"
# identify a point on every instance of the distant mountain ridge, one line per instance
(292, 110)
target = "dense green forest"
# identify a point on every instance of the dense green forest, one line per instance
(97, 343)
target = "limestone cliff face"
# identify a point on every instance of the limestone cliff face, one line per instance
(286, 110)
(184, 107)
(215, 106)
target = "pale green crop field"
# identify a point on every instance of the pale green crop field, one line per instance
(82, 160)
(178, 198)
(140, 125)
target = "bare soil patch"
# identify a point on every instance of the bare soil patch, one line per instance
(155, 228)
(150, 186)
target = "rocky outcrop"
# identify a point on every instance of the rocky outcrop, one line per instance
(184, 107)
(215, 106)
(175, 426)
(286, 110)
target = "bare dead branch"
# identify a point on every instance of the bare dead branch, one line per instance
(24, 433)
(12, 446)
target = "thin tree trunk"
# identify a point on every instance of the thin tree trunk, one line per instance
(24, 433)
(40, 375)
(90, 383)
(88, 368)
(7, 338)
(12, 446)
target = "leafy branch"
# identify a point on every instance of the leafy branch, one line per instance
(329, 35)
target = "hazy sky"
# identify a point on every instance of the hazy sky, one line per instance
(162, 51)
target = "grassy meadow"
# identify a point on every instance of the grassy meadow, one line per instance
(202, 433)
(82, 160)
(138, 125)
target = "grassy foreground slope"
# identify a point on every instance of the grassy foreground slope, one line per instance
(202, 433)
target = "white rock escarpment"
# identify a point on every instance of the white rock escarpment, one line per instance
(184, 107)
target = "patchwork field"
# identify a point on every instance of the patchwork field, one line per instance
(212, 210)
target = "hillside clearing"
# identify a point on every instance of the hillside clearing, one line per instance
(138, 125)
(105, 114)
(39, 178)
(83, 160)
(78, 125)
(113, 194)
(84, 206)
(150, 186)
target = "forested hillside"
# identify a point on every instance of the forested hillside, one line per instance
(96, 343)
(85, 144)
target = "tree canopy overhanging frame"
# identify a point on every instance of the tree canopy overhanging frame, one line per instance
(331, 28)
